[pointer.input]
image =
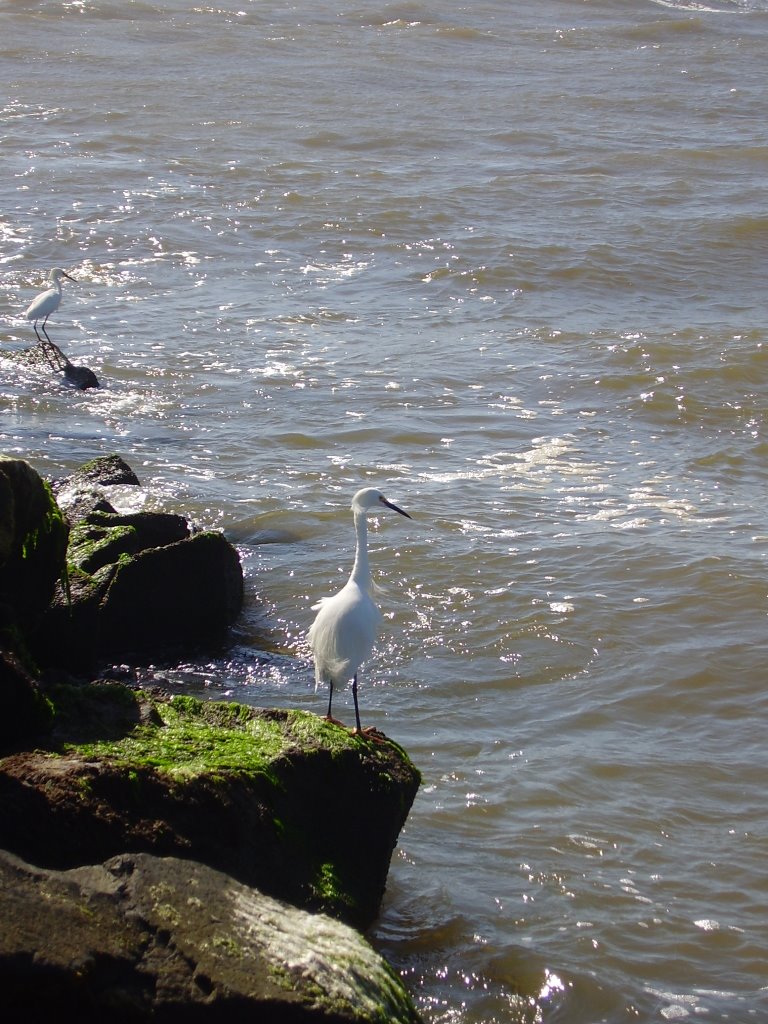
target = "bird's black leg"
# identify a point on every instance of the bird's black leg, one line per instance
(46, 349)
(371, 731)
(56, 358)
(46, 345)
(43, 347)
(47, 336)
(354, 697)
(329, 717)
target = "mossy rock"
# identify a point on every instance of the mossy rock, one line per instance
(139, 588)
(92, 547)
(104, 471)
(33, 543)
(103, 538)
(282, 800)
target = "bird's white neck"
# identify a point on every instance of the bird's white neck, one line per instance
(361, 570)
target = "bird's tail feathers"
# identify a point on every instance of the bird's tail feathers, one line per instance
(329, 663)
(332, 670)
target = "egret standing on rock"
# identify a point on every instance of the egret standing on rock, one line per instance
(347, 624)
(46, 303)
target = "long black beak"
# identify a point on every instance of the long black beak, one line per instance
(394, 508)
(65, 274)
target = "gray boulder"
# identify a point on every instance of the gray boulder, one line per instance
(141, 938)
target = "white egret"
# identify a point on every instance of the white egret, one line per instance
(46, 303)
(347, 624)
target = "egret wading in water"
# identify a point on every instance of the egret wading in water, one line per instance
(347, 624)
(48, 302)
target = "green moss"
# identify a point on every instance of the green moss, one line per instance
(226, 945)
(163, 899)
(194, 738)
(76, 575)
(311, 730)
(281, 977)
(52, 523)
(328, 889)
(222, 714)
(92, 546)
(93, 466)
(84, 787)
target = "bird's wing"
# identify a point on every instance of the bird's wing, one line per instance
(46, 302)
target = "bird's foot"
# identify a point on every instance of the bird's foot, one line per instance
(333, 721)
(370, 733)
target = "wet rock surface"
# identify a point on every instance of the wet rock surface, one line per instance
(142, 938)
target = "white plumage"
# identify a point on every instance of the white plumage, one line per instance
(47, 302)
(347, 624)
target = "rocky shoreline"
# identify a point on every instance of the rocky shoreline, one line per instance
(165, 858)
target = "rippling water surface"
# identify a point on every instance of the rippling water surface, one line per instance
(507, 262)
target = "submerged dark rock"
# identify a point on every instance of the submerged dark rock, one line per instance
(80, 377)
(51, 359)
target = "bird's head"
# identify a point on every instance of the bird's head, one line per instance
(370, 498)
(57, 273)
